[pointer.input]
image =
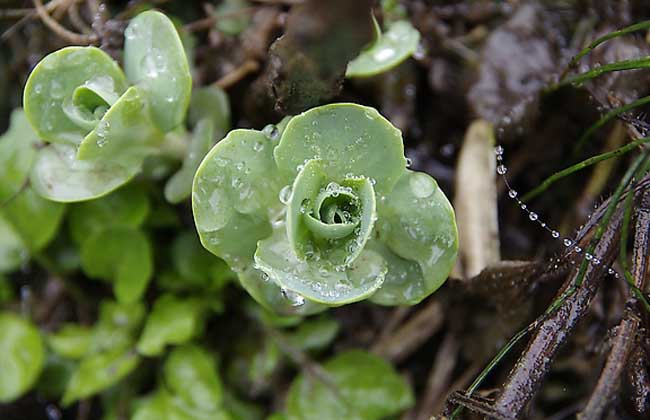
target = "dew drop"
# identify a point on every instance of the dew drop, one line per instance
(577, 249)
(532, 216)
(589, 257)
(610, 271)
(422, 186)
(568, 242)
(512, 194)
(271, 132)
(498, 150)
(409, 162)
(285, 194)
(258, 146)
(555, 234)
(383, 54)
(501, 169)
(523, 207)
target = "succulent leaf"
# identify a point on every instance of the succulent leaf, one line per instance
(392, 47)
(68, 91)
(155, 60)
(416, 223)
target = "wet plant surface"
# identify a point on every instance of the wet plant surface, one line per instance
(550, 283)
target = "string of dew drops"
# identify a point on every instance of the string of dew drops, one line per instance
(569, 243)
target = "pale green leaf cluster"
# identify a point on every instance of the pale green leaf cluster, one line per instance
(112, 244)
(323, 210)
(103, 354)
(101, 123)
(27, 222)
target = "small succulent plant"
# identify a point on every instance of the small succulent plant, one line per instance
(99, 121)
(322, 210)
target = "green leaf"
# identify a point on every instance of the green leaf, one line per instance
(59, 176)
(367, 388)
(155, 60)
(179, 186)
(13, 252)
(72, 341)
(123, 256)
(22, 358)
(350, 140)
(17, 154)
(127, 207)
(236, 18)
(172, 321)
(191, 373)
(125, 132)
(198, 269)
(163, 405)
(394, 46)
(210, 102)
(417, 224)
(52, 97)
(117, 326)
(35, 219)
(319, 280)
(314, 334)
(235, 187)
(98, 372)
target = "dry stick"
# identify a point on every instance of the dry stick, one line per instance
(230, 79)
(419, 328)
(609, 380)
(64, 33)
(76, 19)
(30, 15)
(395, 319)
(439, 377)
(534, 363)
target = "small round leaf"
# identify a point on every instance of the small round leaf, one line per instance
(155, 60)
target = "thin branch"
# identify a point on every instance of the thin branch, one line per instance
(66, 34)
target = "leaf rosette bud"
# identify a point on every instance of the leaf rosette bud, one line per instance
(102, 122)
(324, 208)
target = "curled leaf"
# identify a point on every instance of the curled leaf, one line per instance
(392, 47)
(69, 91)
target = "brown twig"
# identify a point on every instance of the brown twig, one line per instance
(610, 377)
(419, 328)
(439, 378)
(232, 78)
(66, 34)
(534, 363)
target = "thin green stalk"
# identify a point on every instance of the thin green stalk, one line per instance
(623, 254)
(632, 64)
(582, 165)
(627, 30)
(607, 118)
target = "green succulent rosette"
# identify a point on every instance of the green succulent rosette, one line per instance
(100, 122)
(323, 211)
